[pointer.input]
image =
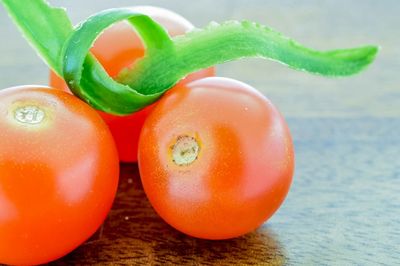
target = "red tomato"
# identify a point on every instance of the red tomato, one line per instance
(58, 174)
(216, 158)
(117, 48)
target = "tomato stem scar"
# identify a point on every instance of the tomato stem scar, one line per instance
(29, 114)
(185, 150)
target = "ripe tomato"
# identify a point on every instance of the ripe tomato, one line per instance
(117, 48)
(58, 174)
(216, 158)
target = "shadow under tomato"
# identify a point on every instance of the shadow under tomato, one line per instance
(134, 234)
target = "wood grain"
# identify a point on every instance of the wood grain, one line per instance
(343, 209)
(133, 234)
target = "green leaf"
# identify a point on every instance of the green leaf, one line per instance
(45, 27)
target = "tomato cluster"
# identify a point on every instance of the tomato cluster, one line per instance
(215, 156)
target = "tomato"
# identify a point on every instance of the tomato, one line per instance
(216, 158)
(117, 48)
(59, 173)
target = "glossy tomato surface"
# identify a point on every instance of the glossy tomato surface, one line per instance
(58, 174)
(216, 158)
(117, 48)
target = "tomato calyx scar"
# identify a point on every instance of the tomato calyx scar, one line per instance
(29, 114)
(185, 150)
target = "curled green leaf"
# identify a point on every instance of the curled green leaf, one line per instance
(164, 66)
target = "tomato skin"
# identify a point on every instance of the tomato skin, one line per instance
(117, 48)
(244, 167)
(58, 176)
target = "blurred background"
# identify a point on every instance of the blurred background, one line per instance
(343, 208)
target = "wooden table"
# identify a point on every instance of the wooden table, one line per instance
(344, 205)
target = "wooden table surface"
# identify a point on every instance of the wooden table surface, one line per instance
(344, 204)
